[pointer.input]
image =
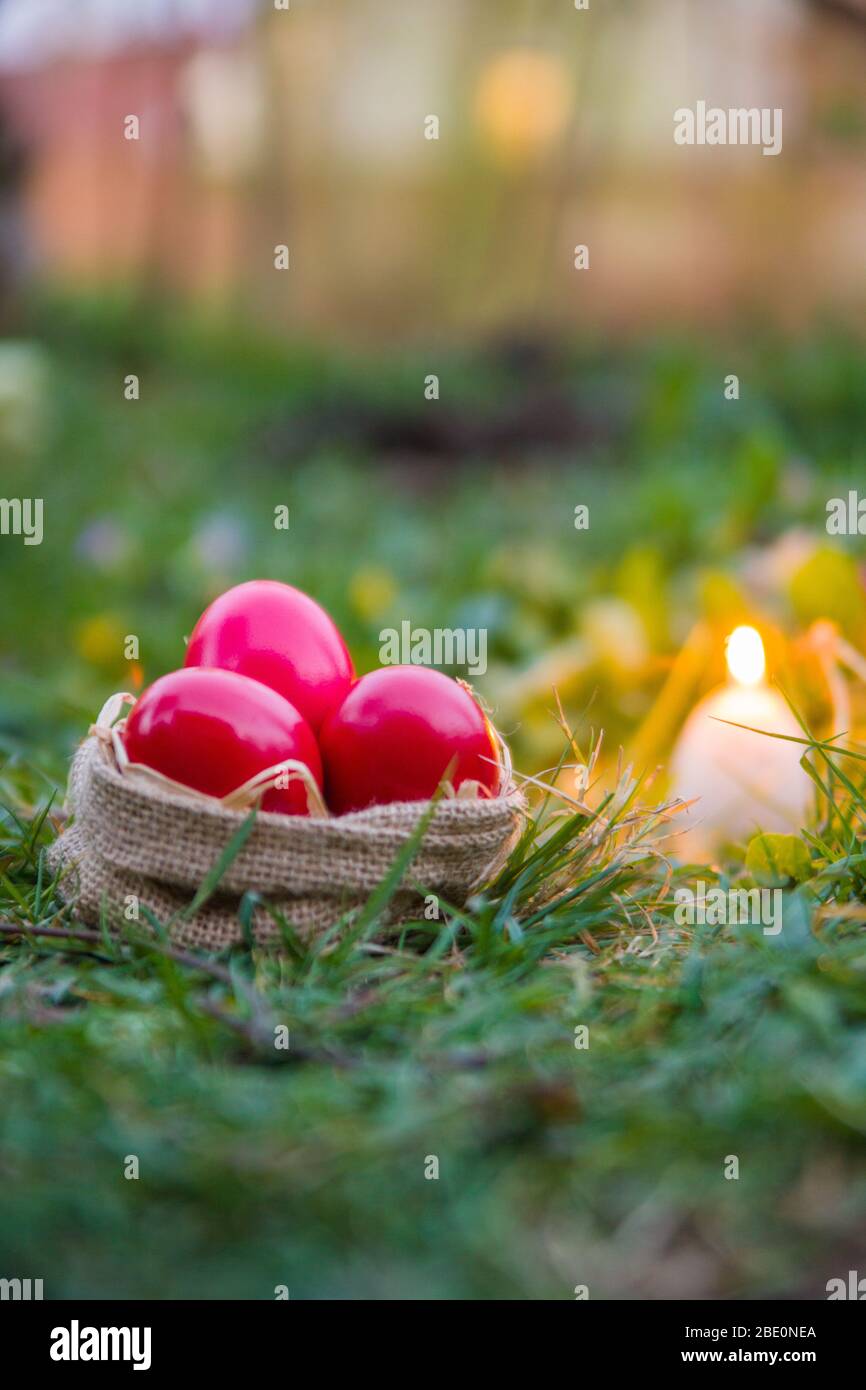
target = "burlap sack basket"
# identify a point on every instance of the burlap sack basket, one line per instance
(128, 840)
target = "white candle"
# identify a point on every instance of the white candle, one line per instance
(745, 781)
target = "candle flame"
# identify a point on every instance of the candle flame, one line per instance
(744, 653)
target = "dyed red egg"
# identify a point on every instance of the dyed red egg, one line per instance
(395, 735)
(214, 730)
(275, 634)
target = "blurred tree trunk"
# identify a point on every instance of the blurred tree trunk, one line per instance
(845, 9)
(13, 256)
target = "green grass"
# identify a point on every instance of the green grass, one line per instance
(602, 1165)
(558, 1166)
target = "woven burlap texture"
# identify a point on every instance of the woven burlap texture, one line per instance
(128, 841)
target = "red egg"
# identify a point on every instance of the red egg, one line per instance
(395, 735)
(214, 730)
(281, 637)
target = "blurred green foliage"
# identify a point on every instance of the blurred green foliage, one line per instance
(403, 508)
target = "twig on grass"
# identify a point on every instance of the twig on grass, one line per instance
(175, 953)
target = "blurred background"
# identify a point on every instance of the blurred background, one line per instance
(555, 127)
(308, 387)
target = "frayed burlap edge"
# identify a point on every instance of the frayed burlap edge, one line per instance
(131, 846)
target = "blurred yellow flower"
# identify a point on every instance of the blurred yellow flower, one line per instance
(371, 592)
(829, 585)
(522, 102)
(99, 641)
(615, 634)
